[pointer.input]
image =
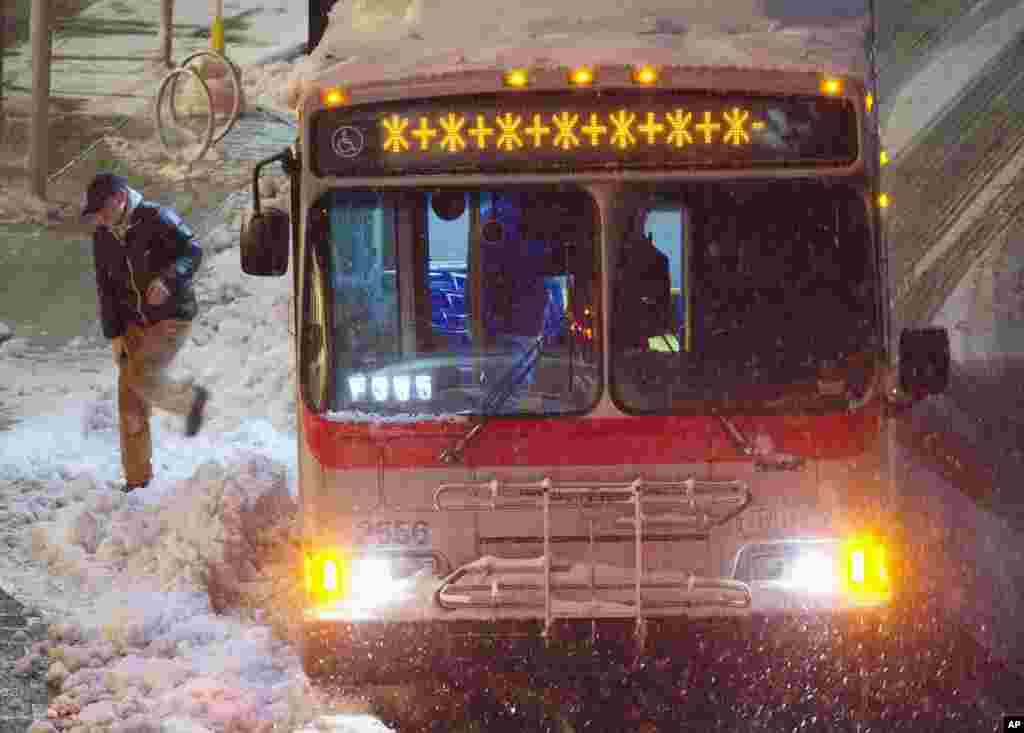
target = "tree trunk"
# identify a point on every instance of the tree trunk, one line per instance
(6, 32)
(166, 37)
(38, 150)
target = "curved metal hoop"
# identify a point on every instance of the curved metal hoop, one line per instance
(169, 83)
(236, 84)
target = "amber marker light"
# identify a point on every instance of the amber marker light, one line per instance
(865, 571)
(327, 576)
(517, 78)
(869, 101)
(884, 201)
(582, 76)
(334, 97)
(883, 158)
(645, 75)
(831, 86)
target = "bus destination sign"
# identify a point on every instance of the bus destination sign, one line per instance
(533, 132)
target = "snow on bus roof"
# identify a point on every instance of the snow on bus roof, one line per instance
(392, 40)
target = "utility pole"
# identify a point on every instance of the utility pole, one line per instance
(217, 28)
(166, 37)
(40, 39)
(6, 19)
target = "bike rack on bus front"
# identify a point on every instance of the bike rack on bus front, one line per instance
(695, 506)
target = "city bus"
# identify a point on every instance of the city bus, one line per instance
(592, 340)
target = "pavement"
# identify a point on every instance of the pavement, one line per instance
(22, 699)
(106, 57)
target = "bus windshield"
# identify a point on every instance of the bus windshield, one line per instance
(741, 295)
(453, 302)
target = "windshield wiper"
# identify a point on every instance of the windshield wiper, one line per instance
(771, 461)
(494, 399)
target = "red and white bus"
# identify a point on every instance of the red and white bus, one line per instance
(665, 397)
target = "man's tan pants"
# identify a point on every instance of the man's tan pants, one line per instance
(141, 384)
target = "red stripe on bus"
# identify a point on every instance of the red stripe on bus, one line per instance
(584, 441)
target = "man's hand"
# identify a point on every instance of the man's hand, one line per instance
(120, 348)
(157, 292)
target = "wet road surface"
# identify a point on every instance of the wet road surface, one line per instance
(910, 669)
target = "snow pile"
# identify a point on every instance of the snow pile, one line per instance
(165, 643)
(266, 84)
(191, 672)
(241, 346)
(214, 521)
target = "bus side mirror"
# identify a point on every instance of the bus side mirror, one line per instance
(924, 361)
(265, 236)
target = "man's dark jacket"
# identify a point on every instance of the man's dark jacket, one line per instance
(157, 243)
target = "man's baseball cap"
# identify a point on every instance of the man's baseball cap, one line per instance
(103, 186)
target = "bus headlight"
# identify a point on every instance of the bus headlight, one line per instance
(813, 571)
(336, 579)
(372, 582)
(854, 569)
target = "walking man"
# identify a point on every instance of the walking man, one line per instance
(145, 258)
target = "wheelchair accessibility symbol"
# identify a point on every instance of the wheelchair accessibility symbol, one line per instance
(348, 142)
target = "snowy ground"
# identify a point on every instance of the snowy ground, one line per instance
(162, 596)
(167, 609)
(135, 581)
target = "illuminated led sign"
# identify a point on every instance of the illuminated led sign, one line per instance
(581, 130)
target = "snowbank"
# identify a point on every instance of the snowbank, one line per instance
(157, 638)
(168, 609)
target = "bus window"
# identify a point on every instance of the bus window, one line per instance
(361, 256)
(479, 301)
(651, 309)
(666, 227)
(775, 284)
(314, 345)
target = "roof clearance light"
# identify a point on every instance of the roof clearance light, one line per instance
(869, 101)
(831, 86)
(581, 77)
(517, 78)
(334, 97)
(884, 201)
(645, 75)
(883, 158)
